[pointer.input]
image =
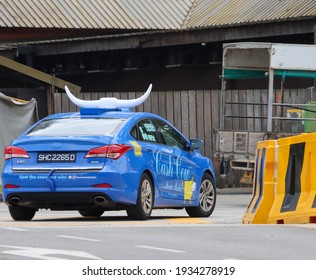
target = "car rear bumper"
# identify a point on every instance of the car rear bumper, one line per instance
(45, 190)
(61, 200)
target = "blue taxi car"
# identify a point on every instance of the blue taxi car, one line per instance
(102, 159)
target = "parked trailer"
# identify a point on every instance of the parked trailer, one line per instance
(235, 146)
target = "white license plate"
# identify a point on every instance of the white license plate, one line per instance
(56, 157)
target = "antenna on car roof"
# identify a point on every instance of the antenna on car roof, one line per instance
(107, 103)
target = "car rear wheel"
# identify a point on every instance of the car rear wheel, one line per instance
(207, 199)
(145, 200)
(97, 212)
(19, 213)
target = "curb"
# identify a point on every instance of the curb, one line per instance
(234, 191)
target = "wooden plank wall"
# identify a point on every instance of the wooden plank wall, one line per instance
(197, 113)
(240, 116)
(194, 113)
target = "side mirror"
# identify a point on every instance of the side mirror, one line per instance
(195, 144)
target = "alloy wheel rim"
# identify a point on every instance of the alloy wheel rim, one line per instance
(147, 197)
(207, 195)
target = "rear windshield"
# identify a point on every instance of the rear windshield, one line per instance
(77, 127)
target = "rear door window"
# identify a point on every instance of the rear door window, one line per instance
(146, 131)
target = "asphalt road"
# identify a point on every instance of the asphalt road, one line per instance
(168, 235)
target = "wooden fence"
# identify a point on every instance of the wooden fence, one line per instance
(197, 113)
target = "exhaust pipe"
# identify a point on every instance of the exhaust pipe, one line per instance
(100, 200)
(15, 200)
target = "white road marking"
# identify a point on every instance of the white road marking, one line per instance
(79, 238)
(14, 228)
(45, 253)
(160, 249)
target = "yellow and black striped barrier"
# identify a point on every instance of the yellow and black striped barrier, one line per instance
(263, 184)
(287, 192)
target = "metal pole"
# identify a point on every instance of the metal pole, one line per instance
(314, 44)
(222, 105)
(270, 100)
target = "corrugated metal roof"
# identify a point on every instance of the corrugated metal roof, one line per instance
(207, 13)
(148, 14)
(100, 14)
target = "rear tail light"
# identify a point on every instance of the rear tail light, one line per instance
(114, 151)
(11, 186)
(15, 152)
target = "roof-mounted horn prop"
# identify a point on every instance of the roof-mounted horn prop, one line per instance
(108, 103)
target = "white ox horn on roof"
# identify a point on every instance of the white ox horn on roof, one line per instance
(108, 102)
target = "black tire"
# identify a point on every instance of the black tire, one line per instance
(19, 213)
(207, 199)
(145, 200)
(94, 212)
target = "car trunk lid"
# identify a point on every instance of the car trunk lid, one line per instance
(58, 153)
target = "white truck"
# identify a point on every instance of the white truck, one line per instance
(248, 116)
